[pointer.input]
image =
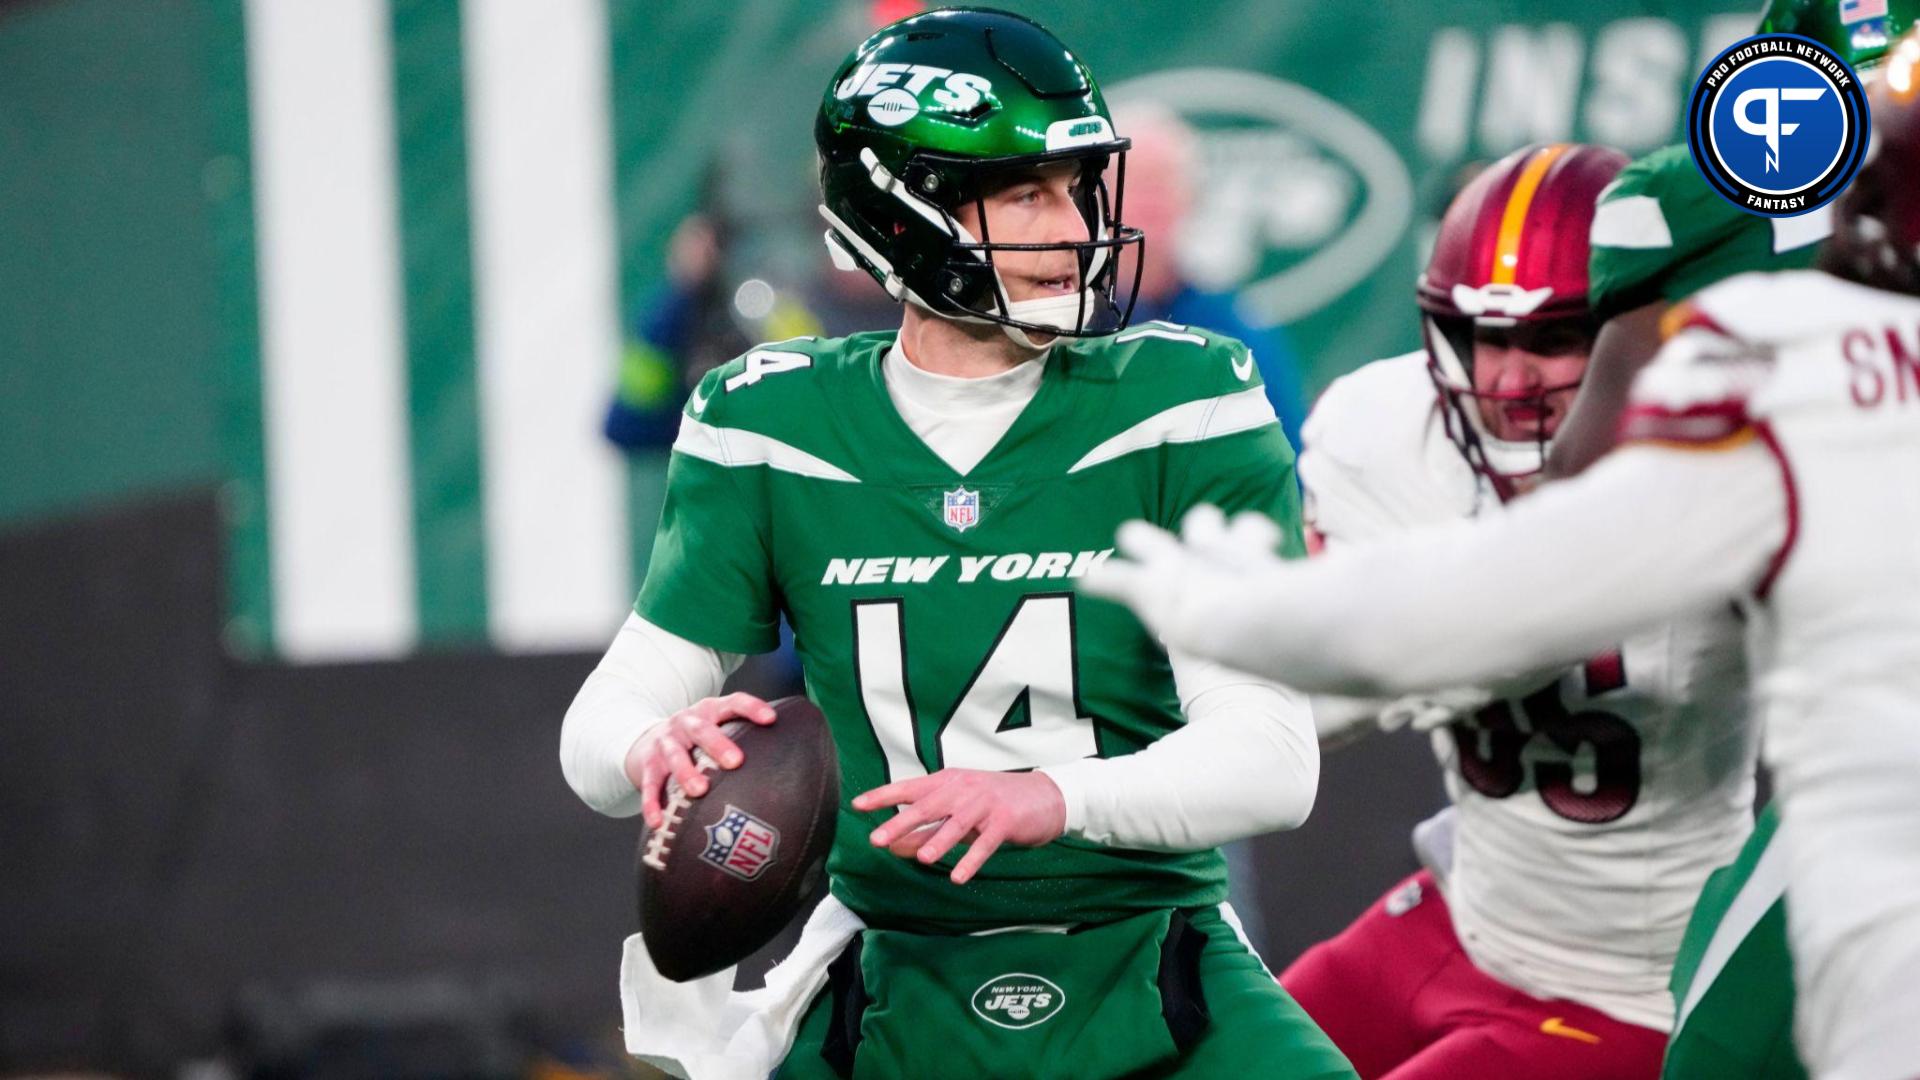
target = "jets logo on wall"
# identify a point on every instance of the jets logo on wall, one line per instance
(1778, 125)
(1297, 200)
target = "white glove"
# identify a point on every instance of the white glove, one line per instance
(1425, 712)
(1174, 583)
(1342, 721)
(1247, 542)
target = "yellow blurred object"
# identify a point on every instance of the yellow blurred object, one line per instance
(1903, 67)
(790, 319)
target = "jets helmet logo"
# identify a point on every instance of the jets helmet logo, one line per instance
(899, 91)
(891, 108)
(1018, 1000)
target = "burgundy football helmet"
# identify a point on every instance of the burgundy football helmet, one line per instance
(1876, 222)
(1511, 260)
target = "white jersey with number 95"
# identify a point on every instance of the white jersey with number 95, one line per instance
(1590, 807)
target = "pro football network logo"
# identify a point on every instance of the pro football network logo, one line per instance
(741, 844)
(962, 508)
(1018, 1000)
(1778, 125)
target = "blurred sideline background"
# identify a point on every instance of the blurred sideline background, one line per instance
(339, 345)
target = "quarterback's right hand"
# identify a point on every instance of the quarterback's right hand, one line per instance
(665, 750)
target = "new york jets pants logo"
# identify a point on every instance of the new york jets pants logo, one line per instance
(1018, 1000)
(1778, 125)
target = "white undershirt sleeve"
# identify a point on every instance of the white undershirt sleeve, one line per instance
(1246, 762)
(1648, 534)
(646, 676)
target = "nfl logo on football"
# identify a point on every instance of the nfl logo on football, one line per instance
(962, 509)
(741, 844)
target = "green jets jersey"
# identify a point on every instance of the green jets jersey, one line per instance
(935, 614)
(1660, 233)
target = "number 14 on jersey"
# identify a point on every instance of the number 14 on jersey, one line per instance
(1020, 710)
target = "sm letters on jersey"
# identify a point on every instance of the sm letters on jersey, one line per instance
(1882, 362)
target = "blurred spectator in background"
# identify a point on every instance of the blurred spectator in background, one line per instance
(710, 310)
(1162, 174)
(707, 311)
(694, 321)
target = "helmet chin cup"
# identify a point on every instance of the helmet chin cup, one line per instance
(1503, 463)
(1061, 313)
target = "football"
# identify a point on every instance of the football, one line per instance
(725, 872)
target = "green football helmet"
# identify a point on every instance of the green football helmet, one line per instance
(920, 119)
(1860, 31)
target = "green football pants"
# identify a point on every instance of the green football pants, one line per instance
(1733, 978)
(1257, 1030)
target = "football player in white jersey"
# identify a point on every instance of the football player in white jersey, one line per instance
(1590, 802)
(1769, 457)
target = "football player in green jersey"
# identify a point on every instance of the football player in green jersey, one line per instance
(1016, 760)
(1661, 234)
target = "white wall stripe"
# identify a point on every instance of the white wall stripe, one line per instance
(547, 315)
(319, 80)
(1208, 418)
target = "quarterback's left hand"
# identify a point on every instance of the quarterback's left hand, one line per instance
(982, 809)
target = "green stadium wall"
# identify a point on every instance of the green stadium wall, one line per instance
(364, 267)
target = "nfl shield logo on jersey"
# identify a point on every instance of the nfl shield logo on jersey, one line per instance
(741, 844)
(963, 509)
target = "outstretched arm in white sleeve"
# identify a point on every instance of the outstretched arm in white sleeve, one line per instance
(1246, 762)
(1650, 533)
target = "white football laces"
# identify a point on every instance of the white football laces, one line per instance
(660, 840)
